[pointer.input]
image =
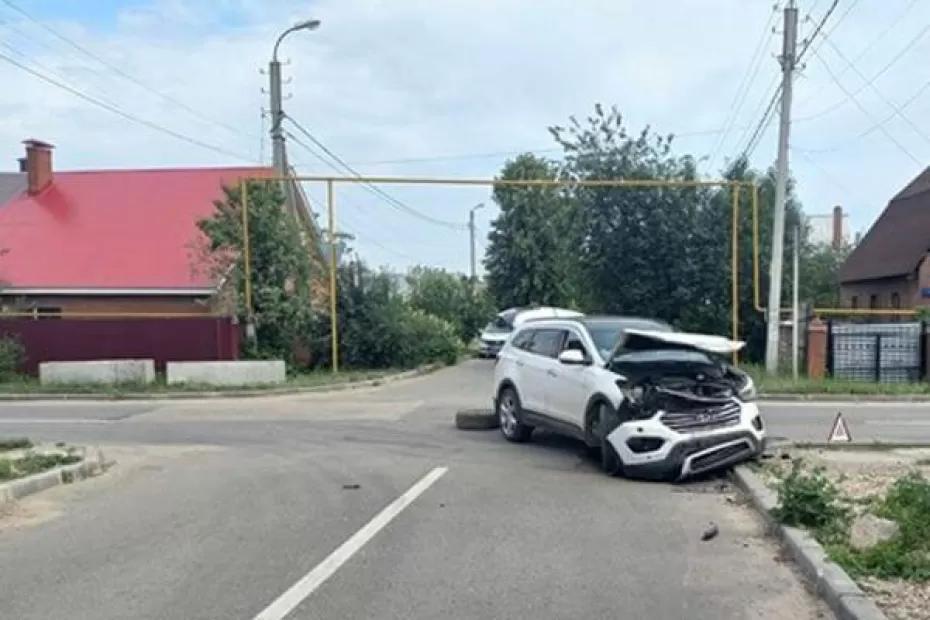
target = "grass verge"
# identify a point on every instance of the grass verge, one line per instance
(783, 384)
(11, 469)
(808, 498)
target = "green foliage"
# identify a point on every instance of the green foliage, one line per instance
(280, 267)
(529, 256)
(33, 464)
(810, 500)
(451, 297)
(14, 443)
(12, 356)
(820, 274)
(380, 329)
(906, 555)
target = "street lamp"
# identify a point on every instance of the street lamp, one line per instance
(471, 234)
(277, 113)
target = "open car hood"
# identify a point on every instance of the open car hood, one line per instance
(641, 339)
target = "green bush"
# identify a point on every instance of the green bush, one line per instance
(15, 443)
(12, 355)
(810, 500)
(452, 297)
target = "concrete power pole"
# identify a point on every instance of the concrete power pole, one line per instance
(787, 60)
(277, 116)
(471, 238)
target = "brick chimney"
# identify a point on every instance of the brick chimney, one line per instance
(38, 165)
(837, 227)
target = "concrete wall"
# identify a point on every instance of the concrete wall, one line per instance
(108, 372)
(226, 373)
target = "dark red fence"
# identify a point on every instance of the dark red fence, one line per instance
(161, 339)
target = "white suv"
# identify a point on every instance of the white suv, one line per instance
(658, 403)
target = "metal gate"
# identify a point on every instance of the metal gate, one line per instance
(884, 352)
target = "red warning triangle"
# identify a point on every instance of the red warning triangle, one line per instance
(839, 432)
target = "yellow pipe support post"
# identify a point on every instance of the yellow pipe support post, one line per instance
(246, 250)
(333, 319)
(734, 258)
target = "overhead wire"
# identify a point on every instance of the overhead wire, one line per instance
(121, 73)
(745, 84)
(374, 189)
(120, 112)
(862, 108)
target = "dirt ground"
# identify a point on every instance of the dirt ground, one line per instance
(861, 474)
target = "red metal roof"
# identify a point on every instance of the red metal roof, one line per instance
(112, 229)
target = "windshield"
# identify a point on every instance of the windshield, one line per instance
(606, 334)
(498, 326)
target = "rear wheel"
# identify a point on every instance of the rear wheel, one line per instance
(509, 412)
(606, 422)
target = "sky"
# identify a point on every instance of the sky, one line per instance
(455, 88)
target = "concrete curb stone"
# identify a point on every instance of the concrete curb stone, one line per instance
(838, 590)
(22, 487)
(245, 393)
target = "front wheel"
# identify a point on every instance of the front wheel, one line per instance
(606, 422)
(508, 411)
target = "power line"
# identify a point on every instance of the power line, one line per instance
(749, 77)
(868, 47)
(120, 72)
(115, 110)
(763, 124)
(391, 200)
(823, 20)
(888, 135)
(898, 111)
(869, 81)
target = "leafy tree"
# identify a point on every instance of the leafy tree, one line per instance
(820, 274)
(280, 268)
(528, 260)
(451, 297)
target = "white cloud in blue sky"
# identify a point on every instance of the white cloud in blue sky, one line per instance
(412, 78)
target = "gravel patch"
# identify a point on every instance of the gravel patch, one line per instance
(900, 600)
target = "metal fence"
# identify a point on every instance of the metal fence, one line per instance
(882, 352)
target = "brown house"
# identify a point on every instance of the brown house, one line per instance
(889, 267)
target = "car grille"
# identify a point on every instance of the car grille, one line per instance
(704, 419)
(717, 457)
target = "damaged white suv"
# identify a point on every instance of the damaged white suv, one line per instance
(658, 403)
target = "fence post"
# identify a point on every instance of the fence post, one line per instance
(817, 349)
(878, 358)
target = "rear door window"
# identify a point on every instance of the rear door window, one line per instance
(547, 342)
(523, 339)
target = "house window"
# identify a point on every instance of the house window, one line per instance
(854, 301)
(873, 301)
(895, 300)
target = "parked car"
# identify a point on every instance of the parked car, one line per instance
(496, 333)
(657, 403)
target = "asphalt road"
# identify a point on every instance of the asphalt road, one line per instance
(370, 504)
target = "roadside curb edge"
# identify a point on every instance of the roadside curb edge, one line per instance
(846, 398)
(244, 393)
(22, 487)
(838, 590)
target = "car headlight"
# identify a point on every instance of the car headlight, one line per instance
(748, 391)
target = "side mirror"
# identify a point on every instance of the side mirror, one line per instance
(573, 357)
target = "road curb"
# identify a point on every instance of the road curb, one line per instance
(844, 598)
(66, 474)
(848, 398)
(246, 393)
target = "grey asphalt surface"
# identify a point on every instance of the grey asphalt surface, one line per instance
(217, 507)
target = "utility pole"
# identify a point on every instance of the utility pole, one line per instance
(787, 60)
(795, 302)
(471, 237)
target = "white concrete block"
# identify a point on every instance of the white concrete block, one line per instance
(104, 372)
(252, 372)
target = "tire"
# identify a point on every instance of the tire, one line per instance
(606, 422)
(476, 419)
(508, 414)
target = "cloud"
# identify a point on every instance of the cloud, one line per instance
(392, 80)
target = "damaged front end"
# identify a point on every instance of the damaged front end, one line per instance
(684, 410)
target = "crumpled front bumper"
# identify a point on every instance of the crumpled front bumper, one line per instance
(684, 454)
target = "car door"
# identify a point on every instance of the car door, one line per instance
(570, 389)
(518, 359)
(542, 367)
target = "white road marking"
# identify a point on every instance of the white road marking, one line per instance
(54, 421)
(307, 584)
